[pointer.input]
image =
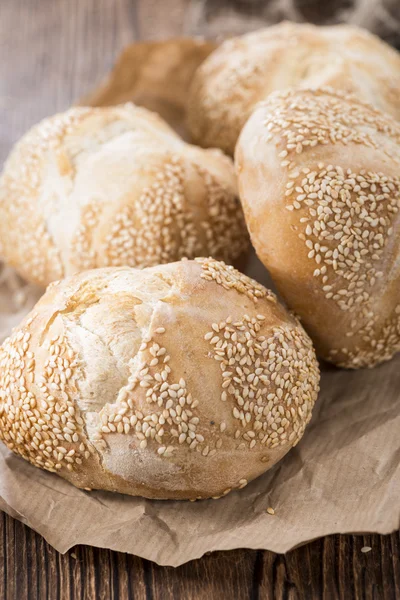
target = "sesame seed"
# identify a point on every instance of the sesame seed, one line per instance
(230, 278)
(253, 381)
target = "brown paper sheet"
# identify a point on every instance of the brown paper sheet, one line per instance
(156, 75)
(344, 476)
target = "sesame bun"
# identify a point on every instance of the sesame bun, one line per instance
(244, 70)
(319, 182)
(184, 380)
(114, 186)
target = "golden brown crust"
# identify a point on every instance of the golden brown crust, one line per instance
(244, 70)
(180, 381)
(111, 186)
(319, 182)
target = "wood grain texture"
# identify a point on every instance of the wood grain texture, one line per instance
(329, 568)
(52, 52)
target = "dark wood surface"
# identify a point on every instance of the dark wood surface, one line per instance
(52, 52)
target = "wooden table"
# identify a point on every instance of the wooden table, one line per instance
(53, 51)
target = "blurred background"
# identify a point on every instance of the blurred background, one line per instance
(54, 51)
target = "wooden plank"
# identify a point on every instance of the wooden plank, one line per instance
(33, 571)
(53, 52)
(160, 20)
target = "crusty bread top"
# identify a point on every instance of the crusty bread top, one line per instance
(244, 70)
(112, 186)
(183, 380)
(319, 182)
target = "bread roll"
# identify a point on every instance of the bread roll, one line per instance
(319, 182)
(180, 381)
(244, 70)
(114, 186)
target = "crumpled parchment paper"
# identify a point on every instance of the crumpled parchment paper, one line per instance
(344, 476)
